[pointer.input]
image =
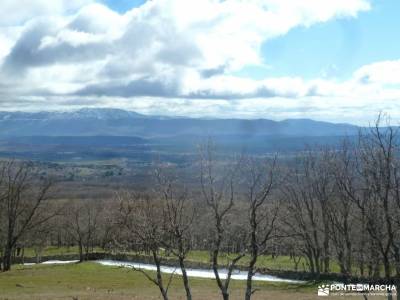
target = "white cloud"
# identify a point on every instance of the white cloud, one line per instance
(175, 55)
(173, 36)
(383, 72)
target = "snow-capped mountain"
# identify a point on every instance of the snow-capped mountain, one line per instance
(117, 122)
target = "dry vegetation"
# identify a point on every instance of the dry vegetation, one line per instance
(326, 210)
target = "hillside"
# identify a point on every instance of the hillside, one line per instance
(115, 122)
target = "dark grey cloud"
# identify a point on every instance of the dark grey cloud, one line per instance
(24, 52)
(27, 52)
(83, 101)
(180, 51)
(261, 92)
(207, 73)
(158, 88)
(151, 87)
(136, 88)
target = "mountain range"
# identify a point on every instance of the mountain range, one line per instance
(117, 122)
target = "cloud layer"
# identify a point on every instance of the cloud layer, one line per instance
(175, 57)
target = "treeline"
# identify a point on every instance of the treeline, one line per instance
(331, 206)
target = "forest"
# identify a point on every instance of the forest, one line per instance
(332, 211)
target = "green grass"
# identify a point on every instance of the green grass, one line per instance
(264, 261)
(93, 281)
(53, 250)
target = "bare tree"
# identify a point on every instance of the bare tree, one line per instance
(219, 196)
(345, 221)
(38, 239)
(260, 180)
(378, 155)
(308, 190)
(140, 215)
(82, 223)
(178, 216)
(23, 197)
(367, 181)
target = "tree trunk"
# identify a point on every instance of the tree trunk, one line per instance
(214, 258)
(159, 276)
(326, 248)
(185, 279)
(386, 265)
(8, 254)
(311, 262)
(250, 273)
(224, 291)
(225, 295)
(7, 258)
(87, 252)
(23, 255)
(164, 294)
(81, 258)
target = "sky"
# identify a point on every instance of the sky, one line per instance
(335, 61)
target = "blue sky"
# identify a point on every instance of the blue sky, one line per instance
(334, 48)
(322, 59)
(123, 5)
(346, 43)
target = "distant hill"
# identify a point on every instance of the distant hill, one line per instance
(116, 122)
(82, 141)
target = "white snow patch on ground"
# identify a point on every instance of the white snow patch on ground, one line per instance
(57, 262)
(199, 273)
(54, 262)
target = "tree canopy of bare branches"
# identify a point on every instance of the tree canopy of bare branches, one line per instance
(22, 201)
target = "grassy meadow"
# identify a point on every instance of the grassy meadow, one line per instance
(92, 281)
(264, 261)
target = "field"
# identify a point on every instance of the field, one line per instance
(264, 261)
(92, 281)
